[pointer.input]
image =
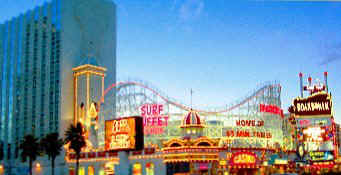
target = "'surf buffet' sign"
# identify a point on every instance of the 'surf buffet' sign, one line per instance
(153, 120)
(124, 134)
(317, 104)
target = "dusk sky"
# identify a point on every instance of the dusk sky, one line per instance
(223, 50)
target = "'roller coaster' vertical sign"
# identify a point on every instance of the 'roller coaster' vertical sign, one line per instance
(124, 134)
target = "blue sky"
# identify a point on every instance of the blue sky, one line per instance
(223, 50)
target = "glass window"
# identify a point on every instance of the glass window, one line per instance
(137, 169)
(150, 168)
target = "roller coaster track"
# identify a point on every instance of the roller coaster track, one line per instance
(250, 97)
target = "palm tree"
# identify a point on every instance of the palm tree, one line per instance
(52, 146)
(1, 150)
(29, 149)
(74, 135)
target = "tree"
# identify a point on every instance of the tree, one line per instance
(74, 136)
(29, 149)
(1, 150)
(52, 146)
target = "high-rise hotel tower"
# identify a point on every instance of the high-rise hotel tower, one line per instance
(38, 50)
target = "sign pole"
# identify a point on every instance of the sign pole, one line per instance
(124, 164)
(124, 135)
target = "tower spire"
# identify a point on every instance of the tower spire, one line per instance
(191, 98)
(90, 51)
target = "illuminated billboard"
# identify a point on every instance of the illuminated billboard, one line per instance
(316, 138)
(321, 155)
(316, 134)
(124, 134)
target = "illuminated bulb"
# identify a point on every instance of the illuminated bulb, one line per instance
(38, 165)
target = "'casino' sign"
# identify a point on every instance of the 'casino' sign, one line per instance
(317, 104)
(243, 158)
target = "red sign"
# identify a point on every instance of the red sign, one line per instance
(203, 166)
(245, 133)
(243, 158)
(153, 120)
(271, 109)
(305, 122)
(250, 123)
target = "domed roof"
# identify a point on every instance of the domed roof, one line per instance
(191, 119)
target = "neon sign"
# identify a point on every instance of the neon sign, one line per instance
(250, 123)
(243, 158)
(222, 162)
(306, 122)
(203, 166)
(246, 133)
(317, 104)
(124, 134)
(314, 134)
(321, 155)
(271, 109)
(312, 106)
(153, 120)
(281, 161)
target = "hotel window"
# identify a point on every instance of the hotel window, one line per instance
(150, 168)
(137, 169)
(91, 170)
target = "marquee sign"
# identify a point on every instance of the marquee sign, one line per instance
(124, 134)
(316, 104)
(243, 158)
